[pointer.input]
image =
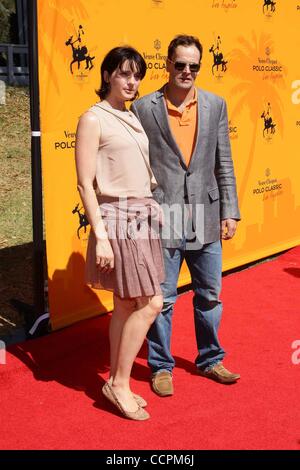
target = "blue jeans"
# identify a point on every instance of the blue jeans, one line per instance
(205, 266)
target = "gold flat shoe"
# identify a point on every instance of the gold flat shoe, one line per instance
(140, 400)
(139, 415)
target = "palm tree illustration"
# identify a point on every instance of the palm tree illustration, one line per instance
(255, 90)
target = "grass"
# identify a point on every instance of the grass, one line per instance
(15, 161)
(15, 208)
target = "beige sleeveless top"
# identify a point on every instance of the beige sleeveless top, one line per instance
(123, 168)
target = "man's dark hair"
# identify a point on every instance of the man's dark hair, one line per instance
(184, 40)
(114, 59)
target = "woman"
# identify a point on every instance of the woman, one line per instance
(124, 252)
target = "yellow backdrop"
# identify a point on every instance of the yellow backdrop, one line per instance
(249, 58)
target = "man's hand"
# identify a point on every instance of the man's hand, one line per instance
(228, 228)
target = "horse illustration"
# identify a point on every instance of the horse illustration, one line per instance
(83, 220)
(269, 124)
(218, 59)
(268, 3)
(79, 54)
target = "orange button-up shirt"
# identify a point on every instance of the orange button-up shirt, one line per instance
(184, 125)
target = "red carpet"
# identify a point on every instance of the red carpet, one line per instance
(50, 387)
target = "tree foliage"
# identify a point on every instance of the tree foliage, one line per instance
(7, 19)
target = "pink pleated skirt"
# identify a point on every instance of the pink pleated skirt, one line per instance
(133, 231)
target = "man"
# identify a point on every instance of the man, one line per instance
(191, 160)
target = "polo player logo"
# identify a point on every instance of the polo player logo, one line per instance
(83, 220)
(266, 10)
(79, 52)
(269, 125)
(218, 58)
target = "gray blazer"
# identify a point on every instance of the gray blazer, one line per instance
(207, 185)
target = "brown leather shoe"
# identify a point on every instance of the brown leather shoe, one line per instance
(220, 374)
(162, 383)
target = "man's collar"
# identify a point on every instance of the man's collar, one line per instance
(170, 105)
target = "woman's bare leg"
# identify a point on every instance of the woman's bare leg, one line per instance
(133, 335)
(122, 309)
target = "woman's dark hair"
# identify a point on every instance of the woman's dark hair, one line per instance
(114, 59)
(184, 40)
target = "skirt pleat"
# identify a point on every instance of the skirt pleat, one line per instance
(138, 260)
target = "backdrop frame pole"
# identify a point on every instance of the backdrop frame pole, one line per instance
(36, 170)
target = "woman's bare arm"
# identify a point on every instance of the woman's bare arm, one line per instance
(86, 148)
